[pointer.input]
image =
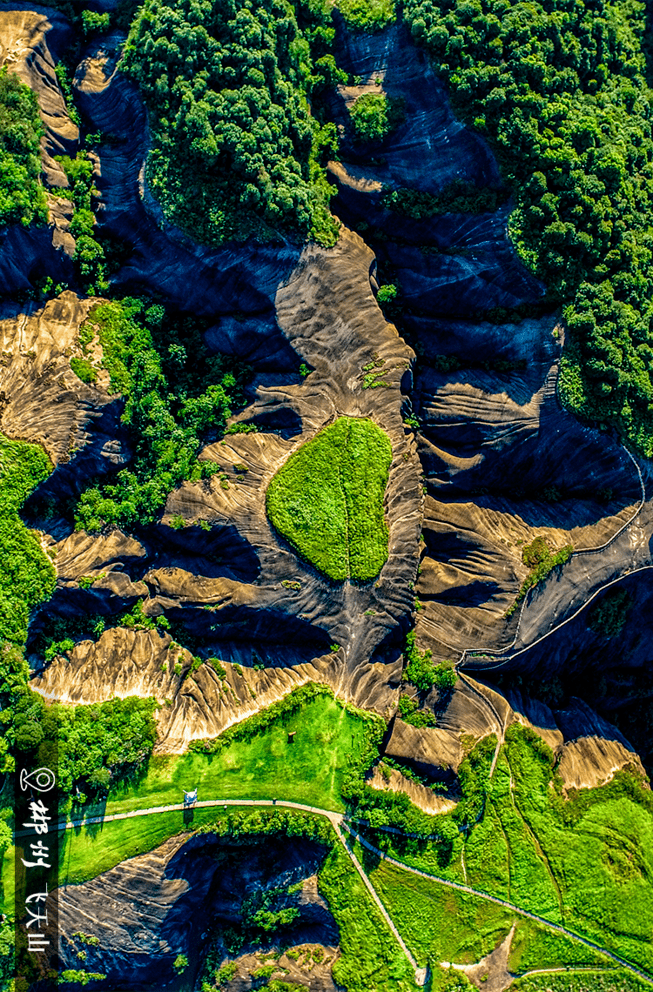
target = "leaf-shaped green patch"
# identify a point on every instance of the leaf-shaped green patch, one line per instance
(327, 500)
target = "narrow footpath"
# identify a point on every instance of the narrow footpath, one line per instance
(339, 825)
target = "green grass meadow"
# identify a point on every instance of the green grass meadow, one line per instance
(443, 925)
(307, 770)
(327, 499)
(585, 861)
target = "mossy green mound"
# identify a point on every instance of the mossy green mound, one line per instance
(327, 500)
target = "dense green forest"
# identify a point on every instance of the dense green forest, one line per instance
(236, 151)
(22, 199)
(559, 88)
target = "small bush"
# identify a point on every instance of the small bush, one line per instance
(374, 116)
(387, 293)
(410, 712)
(83, 369)
(424, 674)
(180, 964)
(609, 615)
(95, 23)
(367, 15)
(541, 560)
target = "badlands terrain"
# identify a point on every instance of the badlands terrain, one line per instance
(432, 771)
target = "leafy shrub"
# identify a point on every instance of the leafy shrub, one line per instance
(226, 973)
(89, 257)
(410, 712)
(235, 151)
(367, 15)
(22, 200)
(327, 499)
(541, 560)
(27, 577)
(64, 76)
(83, 369)
(72, 976)
(56, 648)
(180, 964)
(609, 615)
(374, 116)
(387, 293)
(424, 674)
(241, 429)
(94, 22)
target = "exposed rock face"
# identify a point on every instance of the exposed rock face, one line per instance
(195, 704)
(450, 265)
(151, 908)
(488, 416)
(588, 749)
(424, 746)
(430, 148)
(44, 401)
(423, 797)
(261, 595)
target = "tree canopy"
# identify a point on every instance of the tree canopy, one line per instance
(235, 149)
(559, 88)
(22, 199)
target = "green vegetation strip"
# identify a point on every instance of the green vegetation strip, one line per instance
(177, 397)
(22, 200)
(27, 576)
(442, 924)
(586, 981)
(327, 499)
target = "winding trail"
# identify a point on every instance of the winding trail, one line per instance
(626, 563)
(339, 824)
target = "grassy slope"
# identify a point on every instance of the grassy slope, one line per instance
(528, 846)
(591, 981)
(308, 770)
(371, 961)
(327, 499)
(88, 851)
(585, 862)
(440, 925)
